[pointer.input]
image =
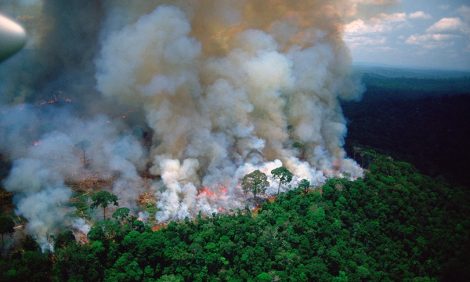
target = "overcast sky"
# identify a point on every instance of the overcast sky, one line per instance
(413, 33)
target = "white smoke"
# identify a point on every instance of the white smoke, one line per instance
(81, 225)
(217, 117)
(72, 151)
(222, 87)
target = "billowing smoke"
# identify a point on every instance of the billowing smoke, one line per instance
(67, 150)
(187, 95)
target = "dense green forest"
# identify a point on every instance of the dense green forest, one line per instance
(395, 224)
(414, 87)
(422, 124)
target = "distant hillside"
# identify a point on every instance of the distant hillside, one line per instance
(423, 121)
(395, 72)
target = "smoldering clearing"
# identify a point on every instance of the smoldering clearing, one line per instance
(215, 90)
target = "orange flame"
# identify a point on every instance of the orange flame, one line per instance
(158, 227)
(208, 192)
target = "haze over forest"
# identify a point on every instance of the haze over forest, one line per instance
(221, 140)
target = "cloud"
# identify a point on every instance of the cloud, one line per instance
(447, 25)
(357, 41)
(376, 31)
(443, 33)
(419, 15)
(395, 17)
(380, 23)
(360, 27)
(371, 32)
(431, 41)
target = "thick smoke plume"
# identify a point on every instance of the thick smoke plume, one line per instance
(188, 96)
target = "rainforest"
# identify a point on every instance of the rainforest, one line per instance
(248, 140)
(397, 223)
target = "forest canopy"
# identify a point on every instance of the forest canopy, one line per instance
(395, 224)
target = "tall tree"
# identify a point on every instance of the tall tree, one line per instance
(256, 182)
(283, 175)
(103, 199)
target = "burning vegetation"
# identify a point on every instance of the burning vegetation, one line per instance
(170, 104)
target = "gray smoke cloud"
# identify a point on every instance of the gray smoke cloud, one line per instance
(65, 149)
(196, 93)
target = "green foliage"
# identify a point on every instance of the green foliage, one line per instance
(106, 230)
(393, 225)
(170, 278)
(122, 214)
(264, 277)
(426, 126)
(26, 266)
(283, 175)
(64, 239)
(151, 209)
(304, 184)
(256, 182)
(80, 263)
(29, 244)
(103, 199)
(81, 204)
